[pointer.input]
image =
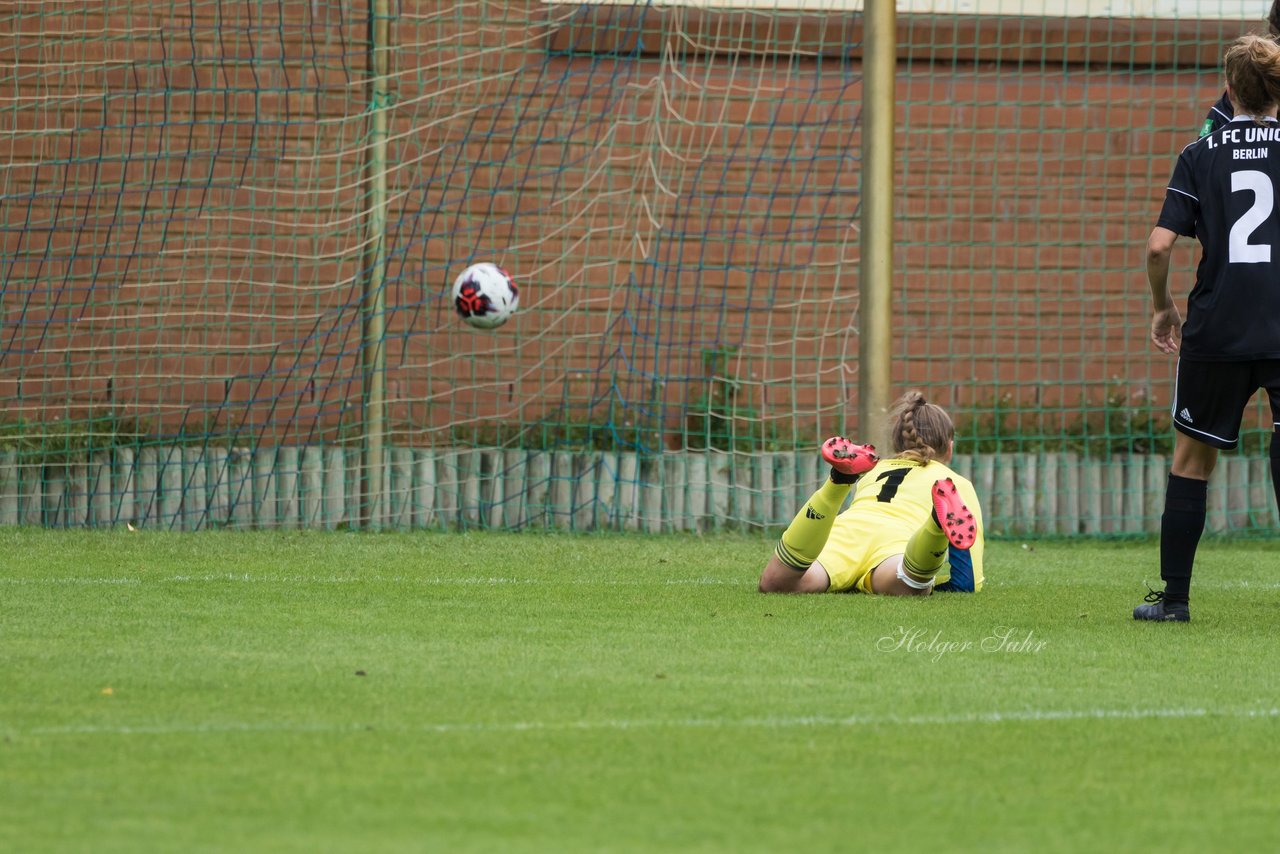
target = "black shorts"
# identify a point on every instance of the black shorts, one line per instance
(1209, 397)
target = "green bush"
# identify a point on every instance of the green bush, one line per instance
(1120, 421)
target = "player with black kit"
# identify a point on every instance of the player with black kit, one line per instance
(1223, 191)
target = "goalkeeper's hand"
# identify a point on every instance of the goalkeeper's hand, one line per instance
(1166, 329)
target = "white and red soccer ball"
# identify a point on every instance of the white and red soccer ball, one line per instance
(485, 296)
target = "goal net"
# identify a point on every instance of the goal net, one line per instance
(186, 200)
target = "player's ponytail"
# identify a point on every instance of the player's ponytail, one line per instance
(1252, 65)
(920, 430)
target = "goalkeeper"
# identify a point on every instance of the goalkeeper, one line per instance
(914, 525)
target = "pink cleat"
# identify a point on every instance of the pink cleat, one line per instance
(953, 517)
(848, 458)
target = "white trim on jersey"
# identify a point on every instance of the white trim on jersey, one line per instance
(1183, 192)
(1219, 112)
(1198, 140)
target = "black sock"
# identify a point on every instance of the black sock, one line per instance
(1181, 525)
(1275, 464)
(838, 476)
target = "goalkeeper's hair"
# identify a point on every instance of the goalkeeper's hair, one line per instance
(920, 430)
(1252, 65)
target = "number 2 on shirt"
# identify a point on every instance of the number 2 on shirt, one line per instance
(1239, 249)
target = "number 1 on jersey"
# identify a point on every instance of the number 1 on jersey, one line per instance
(892, 480)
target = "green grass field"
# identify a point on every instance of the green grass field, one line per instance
(483, 692)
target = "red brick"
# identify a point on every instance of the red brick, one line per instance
(1030, 195)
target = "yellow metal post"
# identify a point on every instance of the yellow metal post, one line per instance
(875, 347)
(373, 305)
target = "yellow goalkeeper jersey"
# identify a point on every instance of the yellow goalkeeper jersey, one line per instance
(890, 503)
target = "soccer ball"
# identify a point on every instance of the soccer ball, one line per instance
(485, 296)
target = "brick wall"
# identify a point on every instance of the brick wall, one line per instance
(183, 238)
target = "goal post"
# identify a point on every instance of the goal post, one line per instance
(374, 299)
(875, 309)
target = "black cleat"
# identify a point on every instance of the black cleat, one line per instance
(1162, 610)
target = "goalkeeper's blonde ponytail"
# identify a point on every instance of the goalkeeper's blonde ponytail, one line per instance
(920, 430)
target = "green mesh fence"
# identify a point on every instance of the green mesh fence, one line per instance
(185, 199)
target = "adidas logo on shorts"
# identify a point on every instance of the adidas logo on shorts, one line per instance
(1185, 415)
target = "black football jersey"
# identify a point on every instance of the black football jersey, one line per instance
(1219, 114)
(1224, 191)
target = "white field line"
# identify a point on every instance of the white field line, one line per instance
(781, 723)
(431, 581)
(586, 580)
